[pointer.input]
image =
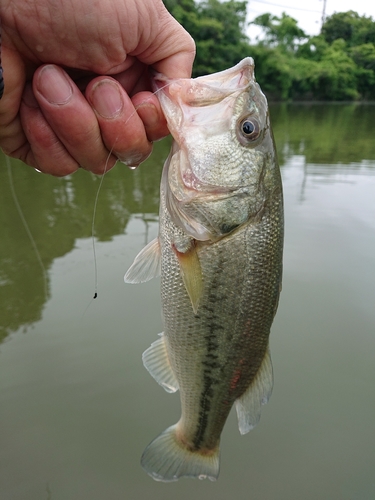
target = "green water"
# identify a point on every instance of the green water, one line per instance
(77, 407)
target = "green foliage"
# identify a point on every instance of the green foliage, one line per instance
(364, 58)
(313, 49)
(338, 64)
(282, 31)
(218, 29)
(354, 29)
(273, 71)
(335, 78)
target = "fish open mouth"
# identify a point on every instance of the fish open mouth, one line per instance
(207, 89)
(178, 97)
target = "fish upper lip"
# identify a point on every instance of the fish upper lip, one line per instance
(242, 76)
(159, 81)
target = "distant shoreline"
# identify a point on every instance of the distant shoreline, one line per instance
(277, 101)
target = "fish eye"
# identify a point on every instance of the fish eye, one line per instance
(250, 129)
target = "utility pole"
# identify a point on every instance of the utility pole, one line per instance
(324, 11)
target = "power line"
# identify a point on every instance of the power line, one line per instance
(324, 12)
(255, 11)
(285, 6)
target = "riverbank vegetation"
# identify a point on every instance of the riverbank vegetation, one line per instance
(336, 65)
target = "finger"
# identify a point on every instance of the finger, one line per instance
(122, 129)
(172, 51)
(12, 138)
(136, 75)
(71, 118)
(137, 85)
(43, 149)
(149, 110)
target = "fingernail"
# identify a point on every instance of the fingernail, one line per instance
(106, 99)
(54, 85)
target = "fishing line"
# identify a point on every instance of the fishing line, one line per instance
(96, 206)
(26, 226)
(93, 232)
(93, 225)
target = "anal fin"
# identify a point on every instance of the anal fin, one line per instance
(248, 406)
(156, 361)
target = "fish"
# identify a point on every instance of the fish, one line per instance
(219, 253)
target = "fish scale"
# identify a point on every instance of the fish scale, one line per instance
(217, 328)
(219, 250)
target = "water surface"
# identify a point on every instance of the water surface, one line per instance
(77, 407)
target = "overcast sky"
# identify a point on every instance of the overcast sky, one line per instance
(308, 14)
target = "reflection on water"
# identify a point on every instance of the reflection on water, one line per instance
(58, 212)
(324, 133)
(78, 407)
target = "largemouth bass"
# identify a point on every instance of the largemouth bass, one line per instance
(220, 253)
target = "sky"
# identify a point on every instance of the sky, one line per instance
(308, 14)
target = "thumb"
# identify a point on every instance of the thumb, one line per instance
(172, 51)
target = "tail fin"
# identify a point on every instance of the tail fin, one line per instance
(166, 459)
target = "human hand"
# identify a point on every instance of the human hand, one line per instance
(57, 120)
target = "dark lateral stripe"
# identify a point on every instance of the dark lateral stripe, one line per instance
(210, 363)
(1, 71)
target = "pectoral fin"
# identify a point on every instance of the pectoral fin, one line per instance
(191, 273)
(146, 265)
(248, 406)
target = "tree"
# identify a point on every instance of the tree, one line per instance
(338, 64)
(218, 30)
(335, 75)
(273, 71)
(364, 58)
(282, 31)
(351, 27)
